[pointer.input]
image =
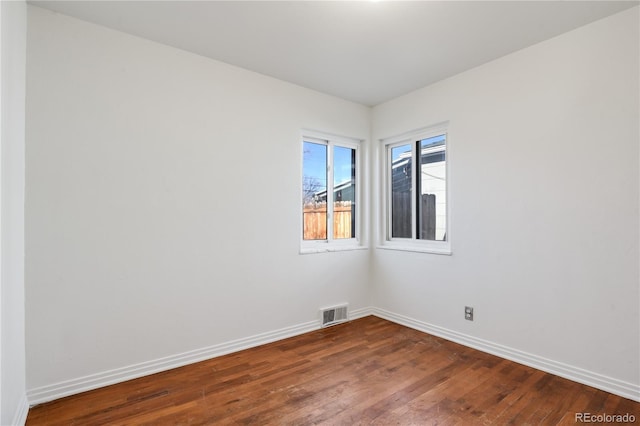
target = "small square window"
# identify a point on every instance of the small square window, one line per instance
(330, 191)
(416, 191)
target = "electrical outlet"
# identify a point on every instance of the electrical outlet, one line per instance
(468, 313)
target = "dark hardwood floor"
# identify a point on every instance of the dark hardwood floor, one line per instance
(368, 371)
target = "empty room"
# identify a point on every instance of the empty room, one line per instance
(357, 212)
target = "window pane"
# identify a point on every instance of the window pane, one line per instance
(401, 191)
(344, 192)
(314, 189)
(432, 201)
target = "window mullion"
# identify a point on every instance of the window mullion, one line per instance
(389, 187)
(356, 193)
(414, 181)
(329, 192)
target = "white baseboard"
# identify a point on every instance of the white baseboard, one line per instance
(98, 380)
(599, 381)
(20, 417)
(94, 381)
(361, 313)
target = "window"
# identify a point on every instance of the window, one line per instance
(330, 192)
(416, 191)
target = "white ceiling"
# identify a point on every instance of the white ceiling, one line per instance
(364, 51)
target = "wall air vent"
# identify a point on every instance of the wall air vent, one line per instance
(334, 315)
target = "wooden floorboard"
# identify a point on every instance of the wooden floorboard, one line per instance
(368, 371)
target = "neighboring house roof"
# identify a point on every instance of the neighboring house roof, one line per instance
(340, 187)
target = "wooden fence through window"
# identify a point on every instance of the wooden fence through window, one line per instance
(401, 216)
(315, 220)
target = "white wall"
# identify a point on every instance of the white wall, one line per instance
(13, 403)
(544, 186)
(163, 198)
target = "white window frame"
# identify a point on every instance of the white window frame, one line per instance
(331, 244)
(386, 241)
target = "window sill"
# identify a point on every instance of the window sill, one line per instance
(417, 248)
(331, 248)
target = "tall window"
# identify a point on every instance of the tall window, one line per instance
(329, 190)
(416, 190)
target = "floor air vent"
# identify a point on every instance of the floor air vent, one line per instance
(334, 315)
